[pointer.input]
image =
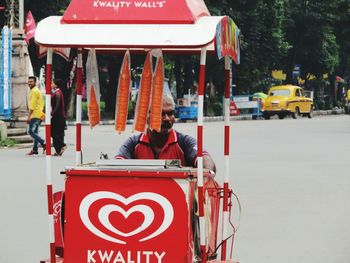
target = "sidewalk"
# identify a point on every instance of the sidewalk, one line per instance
(218, 118)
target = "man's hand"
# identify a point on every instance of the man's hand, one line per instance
(29, 116)
(208, 163)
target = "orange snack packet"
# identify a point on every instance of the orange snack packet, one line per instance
(144, 96)
(157, 95)
(123, 94)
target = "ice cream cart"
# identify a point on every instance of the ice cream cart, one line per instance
(139, 210)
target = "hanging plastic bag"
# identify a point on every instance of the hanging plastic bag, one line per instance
(93, 89)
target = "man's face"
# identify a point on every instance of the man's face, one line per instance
(168, 118)
(31, 83)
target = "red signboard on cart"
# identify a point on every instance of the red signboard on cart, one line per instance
(126, 219)
(134, 11)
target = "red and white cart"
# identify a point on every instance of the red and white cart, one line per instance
(139, 210)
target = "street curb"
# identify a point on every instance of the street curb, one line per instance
(328, 112)
(218, 118)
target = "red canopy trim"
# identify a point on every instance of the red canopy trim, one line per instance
(134, 12)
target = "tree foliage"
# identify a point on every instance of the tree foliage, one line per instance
(275, 34)
(42, 9)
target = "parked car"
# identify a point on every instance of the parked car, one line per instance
(287, 100)
(347, 102)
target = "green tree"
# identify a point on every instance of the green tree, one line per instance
(42, 9)
(310, 31)
(275, 34)
(263, 42)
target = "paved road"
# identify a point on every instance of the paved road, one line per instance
(292, 178)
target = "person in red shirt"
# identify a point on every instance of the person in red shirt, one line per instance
(166, 144)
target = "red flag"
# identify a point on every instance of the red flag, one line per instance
(30, 27)
(29, 30)
(339, 79)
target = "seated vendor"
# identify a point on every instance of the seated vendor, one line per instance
(166, 144)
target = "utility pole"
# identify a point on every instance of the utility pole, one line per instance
(12, 13)
(20, 59)
(21, 14)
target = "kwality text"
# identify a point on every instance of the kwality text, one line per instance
(117, 256)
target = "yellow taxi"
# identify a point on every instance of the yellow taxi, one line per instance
(287, 100)
(347, 102)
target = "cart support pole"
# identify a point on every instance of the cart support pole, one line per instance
(225, 217)
(78, 159)
(48, 80)
(200, 179)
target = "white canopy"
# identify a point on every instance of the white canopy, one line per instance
(51, 32)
